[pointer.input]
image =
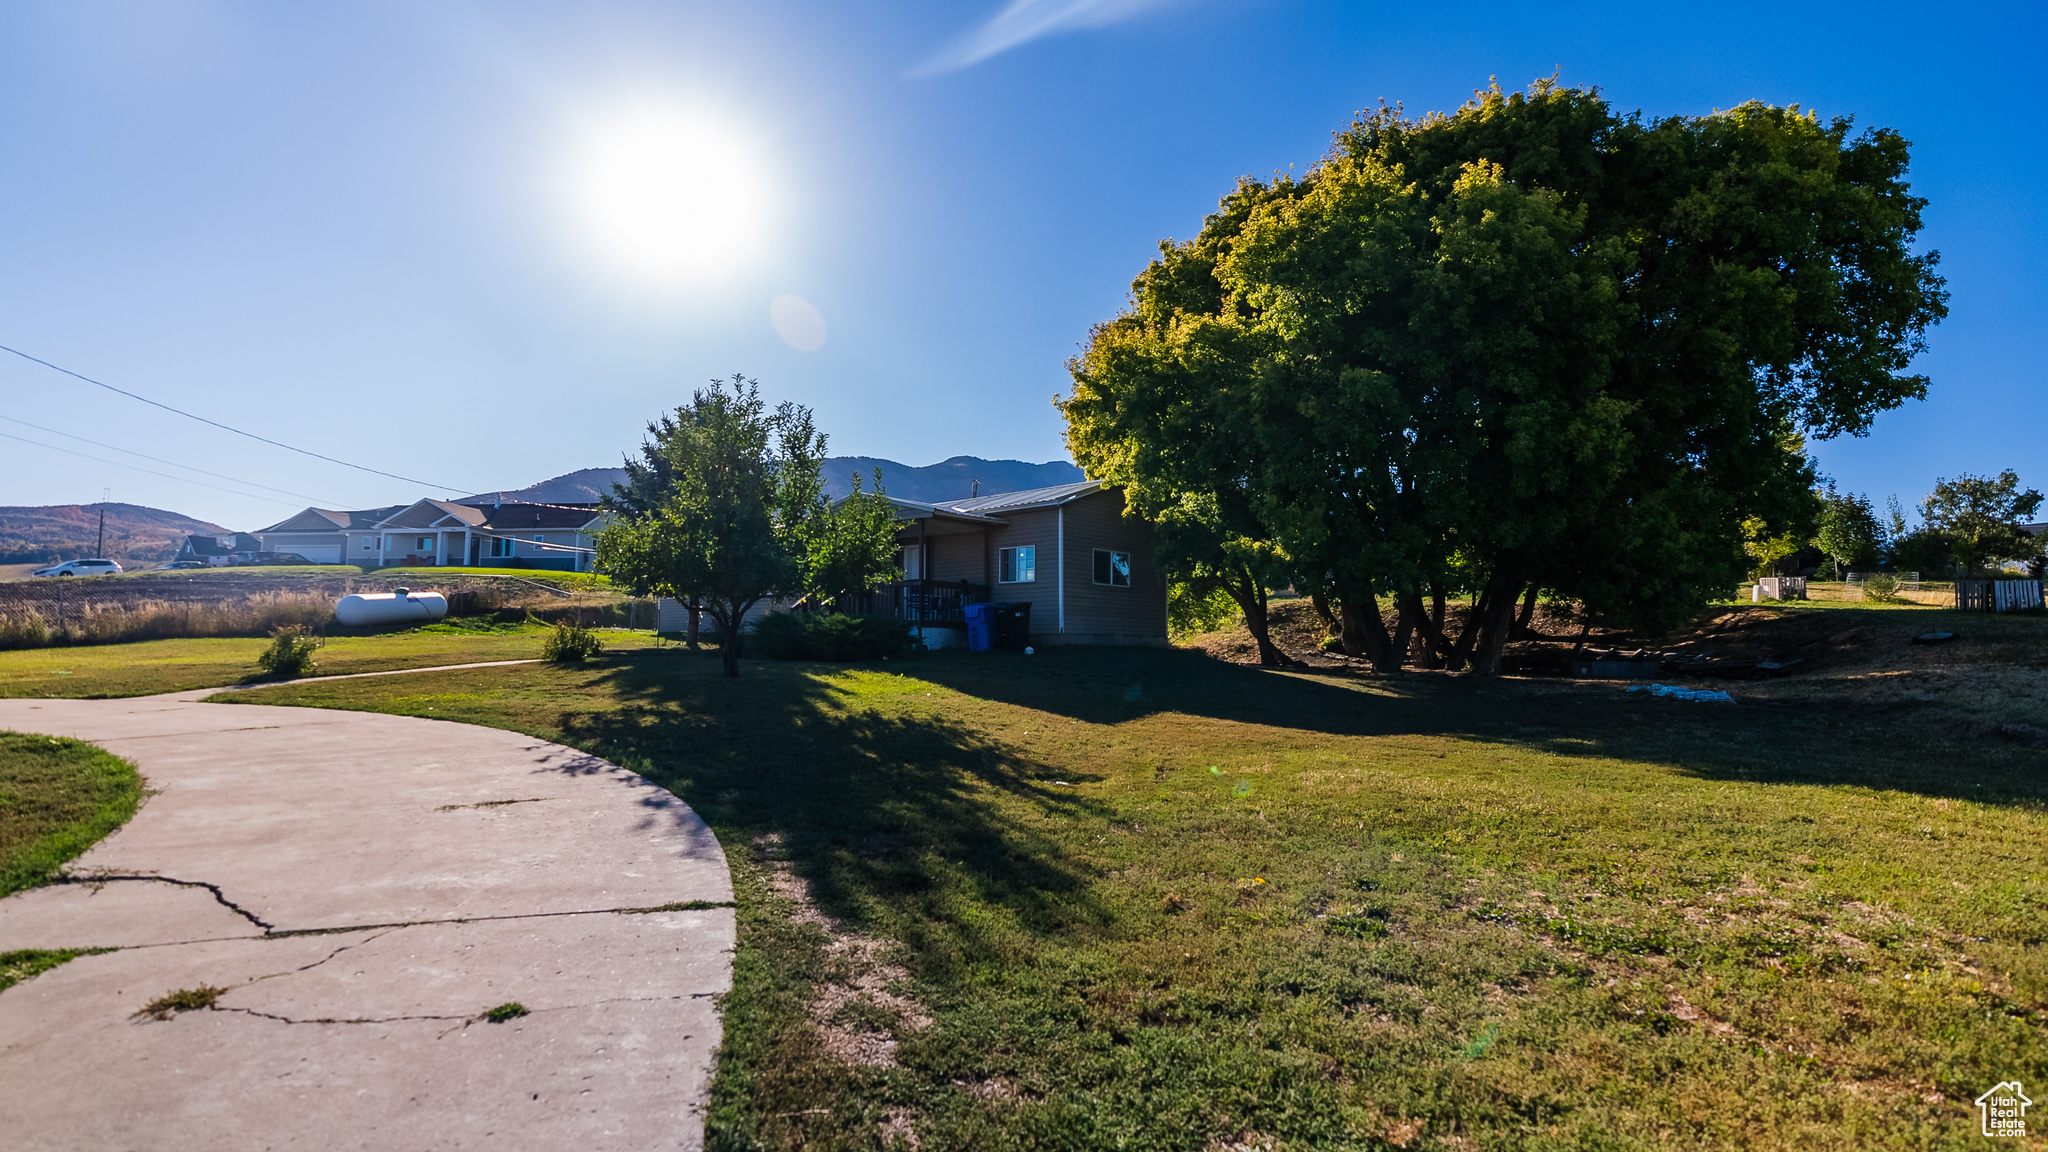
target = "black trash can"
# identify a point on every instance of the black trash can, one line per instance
(1013, 626)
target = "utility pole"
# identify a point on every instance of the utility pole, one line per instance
(100, 550)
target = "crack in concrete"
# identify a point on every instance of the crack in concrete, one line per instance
(97, 879)
(685, 906)
(494, 803)
(466, 1021)
(272, 932)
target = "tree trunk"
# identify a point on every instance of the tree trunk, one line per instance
(696, 615)
(1491, 626)
(1433, 648)
(1528, 613)
(1461, 651)
(1398, 648)
(1251, 600)
(1321, 604)
(1365, 634)
(1422, 633)
(729, 635)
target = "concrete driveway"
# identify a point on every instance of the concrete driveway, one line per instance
(365, 887)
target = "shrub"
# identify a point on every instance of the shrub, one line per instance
(1882, 587)
(826, 636)
(570, 644)
(290, 654)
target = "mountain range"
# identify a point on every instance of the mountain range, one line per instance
(47, 534)
(954, 479)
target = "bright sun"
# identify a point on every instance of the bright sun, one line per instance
(670, 195)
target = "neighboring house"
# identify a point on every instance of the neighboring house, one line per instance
(1069, 552)
(322, 535)
(219, 551)
(441, 533)
(1086, 569)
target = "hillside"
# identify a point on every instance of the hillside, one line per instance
(67, 531)
(947, 480)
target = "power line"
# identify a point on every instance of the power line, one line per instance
(151, 471)
(161, 460)
(223, 427)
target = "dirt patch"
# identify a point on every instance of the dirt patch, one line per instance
(856, 1009)
(1991, 680)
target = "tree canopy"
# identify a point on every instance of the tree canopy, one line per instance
(727, 507)
(1850, 532)
(1980, 519)
(1531, 345)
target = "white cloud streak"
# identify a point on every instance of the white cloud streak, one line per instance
(1022, 21)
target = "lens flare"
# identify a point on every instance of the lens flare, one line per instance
(798, 322)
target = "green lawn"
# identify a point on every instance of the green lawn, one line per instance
(57, 798)
(153, 666)
(573, 581)
(1147, 900)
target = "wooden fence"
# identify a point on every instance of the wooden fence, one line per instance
(1998, 595)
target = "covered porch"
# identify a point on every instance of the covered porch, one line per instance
(919, 603)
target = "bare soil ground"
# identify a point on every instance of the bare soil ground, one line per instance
(1992, 677)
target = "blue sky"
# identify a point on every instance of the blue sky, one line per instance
(426, 237)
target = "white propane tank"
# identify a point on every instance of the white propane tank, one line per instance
(390, 607)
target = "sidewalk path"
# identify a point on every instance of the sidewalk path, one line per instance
(365, 887)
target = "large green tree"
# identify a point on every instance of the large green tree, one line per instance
(726, 507)
(1980, 518)
(1534, 344)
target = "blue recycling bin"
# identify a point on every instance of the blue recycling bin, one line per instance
(981, 627)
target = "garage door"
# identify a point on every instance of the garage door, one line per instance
(318, 553)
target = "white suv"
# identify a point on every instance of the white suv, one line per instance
(80, 568)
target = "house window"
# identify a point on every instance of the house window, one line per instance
(540, 539)
(1113, 568)
(911, 568)
(367, 544)
(504, 546)
(426, 544)
(1017, 565)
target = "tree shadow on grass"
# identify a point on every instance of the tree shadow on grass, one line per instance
(1754, 741)
(865, 805)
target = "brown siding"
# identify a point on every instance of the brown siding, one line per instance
(957, 556)
(1098, 611)
(1039, 528)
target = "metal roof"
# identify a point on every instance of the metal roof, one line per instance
(919, 510)
(1019, 501)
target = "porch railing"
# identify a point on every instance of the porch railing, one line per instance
(920, 603)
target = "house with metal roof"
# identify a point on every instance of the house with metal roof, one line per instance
(1070, 552)
(440, 533)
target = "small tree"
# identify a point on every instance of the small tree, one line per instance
(1849, 531)
(1980, 518)
(854, 546)
(726, 506)
(1768, 548)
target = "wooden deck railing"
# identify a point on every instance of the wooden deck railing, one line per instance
(920, 603)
